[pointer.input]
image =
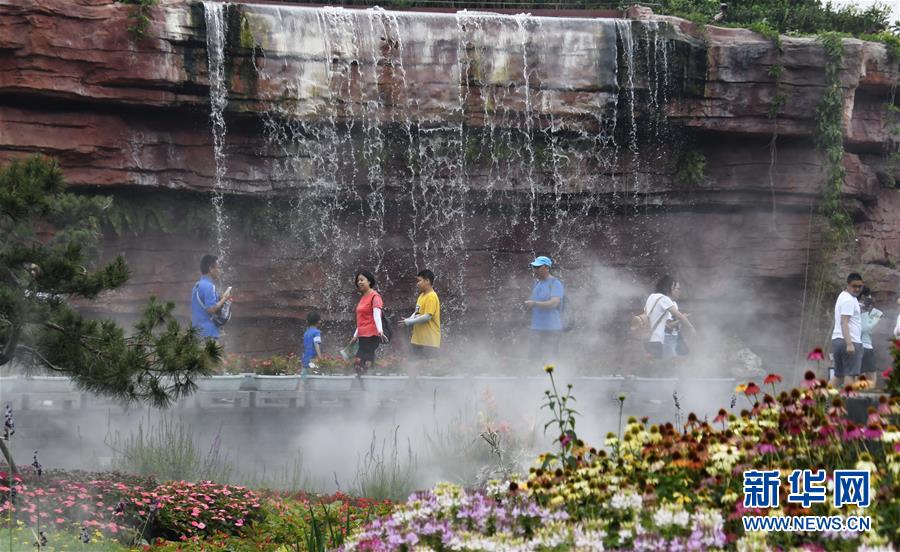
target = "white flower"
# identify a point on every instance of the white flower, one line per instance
(626, 501)
(588, 539)
(671, 515)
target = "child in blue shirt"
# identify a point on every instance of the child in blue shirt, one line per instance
(312, 341)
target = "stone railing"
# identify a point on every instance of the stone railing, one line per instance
(256, 391)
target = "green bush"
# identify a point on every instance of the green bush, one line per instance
(795, 16)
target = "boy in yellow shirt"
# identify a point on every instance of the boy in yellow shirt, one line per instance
(425, 322)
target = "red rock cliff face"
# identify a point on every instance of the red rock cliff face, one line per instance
(465, 143)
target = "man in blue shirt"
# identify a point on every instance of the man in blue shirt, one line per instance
(205, 302)
(546, 323)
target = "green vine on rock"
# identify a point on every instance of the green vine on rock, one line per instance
(139, 16)
(830, 138)
(778, 100)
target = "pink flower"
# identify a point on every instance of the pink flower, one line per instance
(60, 520)
(239, 523)
(826, 430)
(872, 433)
(887, 373)
(816, 354)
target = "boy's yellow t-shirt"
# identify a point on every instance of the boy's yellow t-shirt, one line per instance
(428, 334)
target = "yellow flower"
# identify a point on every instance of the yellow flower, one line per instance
(548, 368)
(740, 388)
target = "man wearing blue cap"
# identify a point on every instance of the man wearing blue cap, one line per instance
(546, 324)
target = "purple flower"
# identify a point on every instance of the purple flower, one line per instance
(9, 423)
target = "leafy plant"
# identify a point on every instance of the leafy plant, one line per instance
(169, 449)
(564, 418)
(830, 137)
(690, 168)
(139, 16)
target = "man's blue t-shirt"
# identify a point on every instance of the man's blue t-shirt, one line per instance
(310, 338)
(200, 319)
(546, 319)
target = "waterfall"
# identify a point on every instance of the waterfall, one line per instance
(397, 139)
(625, 34)
(218, 100)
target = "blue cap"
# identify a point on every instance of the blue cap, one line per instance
(542, 261)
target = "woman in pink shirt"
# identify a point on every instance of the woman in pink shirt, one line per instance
(368, 332)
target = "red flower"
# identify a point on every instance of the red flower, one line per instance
(752, 389)
(772, 379)
(887, 373)
(816, 354)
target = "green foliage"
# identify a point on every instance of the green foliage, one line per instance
(564, 419)
(139, 16)
(169, 450)
(690, 168)
(768, 32)
(889, 39)
(797, 16)
(137, 216)
(830, 137)
(45, 261)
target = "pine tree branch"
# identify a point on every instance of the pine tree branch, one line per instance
(57, 327)
(42, 358)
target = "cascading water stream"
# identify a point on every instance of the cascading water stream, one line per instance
(625, 34)
(399, 139)
(218, 99)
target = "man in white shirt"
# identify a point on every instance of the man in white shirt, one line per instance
(846, 337)
(658, 307)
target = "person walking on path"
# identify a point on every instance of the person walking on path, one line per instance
(425, 341)
(658, 308)
(312, 343)
(846, 337)
(546, 324)
(870, 318)
(369, 331)
(206, 303)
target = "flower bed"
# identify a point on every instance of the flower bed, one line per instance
(106, 508)
(672, 487)
(126, 507)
